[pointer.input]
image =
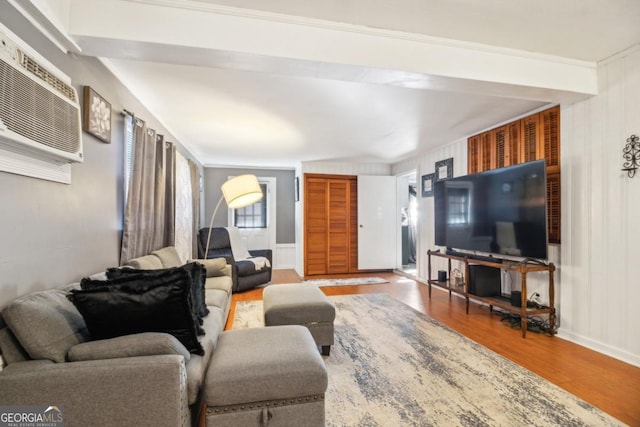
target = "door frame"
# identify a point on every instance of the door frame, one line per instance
(271, 183)
(408, 177)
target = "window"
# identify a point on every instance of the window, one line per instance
(128, 153)
(252, 216)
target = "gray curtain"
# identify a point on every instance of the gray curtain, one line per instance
(195, 190)
(149, 209)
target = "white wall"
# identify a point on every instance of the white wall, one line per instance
(601, 215)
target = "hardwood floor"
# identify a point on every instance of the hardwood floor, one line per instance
(605, 382)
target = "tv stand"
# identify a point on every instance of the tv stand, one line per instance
(523, 267)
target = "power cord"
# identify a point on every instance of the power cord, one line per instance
(534, 323)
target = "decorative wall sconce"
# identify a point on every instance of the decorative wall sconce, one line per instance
(631, 155)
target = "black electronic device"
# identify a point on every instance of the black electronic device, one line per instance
(484, 281)
(501, 211)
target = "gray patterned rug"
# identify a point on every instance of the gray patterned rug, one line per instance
(345, 282)
(393, 366)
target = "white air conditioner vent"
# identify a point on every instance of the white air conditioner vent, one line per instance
(39, 109)
(36, 69)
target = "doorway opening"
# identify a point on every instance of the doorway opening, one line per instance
(408, 207)
(257, 223)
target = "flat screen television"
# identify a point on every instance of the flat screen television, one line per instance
(501, 211)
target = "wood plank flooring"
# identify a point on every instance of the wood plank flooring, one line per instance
(605, 382)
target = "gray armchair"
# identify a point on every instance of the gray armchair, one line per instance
(244, 273)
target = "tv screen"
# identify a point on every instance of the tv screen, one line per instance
(501, 211)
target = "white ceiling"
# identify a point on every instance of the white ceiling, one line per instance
(274, 102)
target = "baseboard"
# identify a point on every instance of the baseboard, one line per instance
(600, 347)
(284, 256)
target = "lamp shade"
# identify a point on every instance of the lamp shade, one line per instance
(241, 191)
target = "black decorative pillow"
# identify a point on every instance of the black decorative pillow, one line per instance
(196, 270)
(127, 306)
(142, 280)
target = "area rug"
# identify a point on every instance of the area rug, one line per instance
(345, 282)
(393, 366)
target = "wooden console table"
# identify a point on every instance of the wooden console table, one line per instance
(501, 302)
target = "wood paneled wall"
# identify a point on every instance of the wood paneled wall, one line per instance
(599, 288)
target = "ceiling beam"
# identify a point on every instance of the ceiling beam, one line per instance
(198, 33)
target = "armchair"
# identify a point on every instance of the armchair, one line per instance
(245, 274)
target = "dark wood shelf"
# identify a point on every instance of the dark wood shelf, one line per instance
(447, 285)
(501, 302)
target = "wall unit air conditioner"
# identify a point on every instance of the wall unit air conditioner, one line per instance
(40, 124)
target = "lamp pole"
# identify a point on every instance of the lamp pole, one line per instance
(206, 252)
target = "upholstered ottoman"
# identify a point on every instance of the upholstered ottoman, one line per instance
(266, 376)
(300, 304)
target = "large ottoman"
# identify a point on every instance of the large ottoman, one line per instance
(266, 376)
(300, 304)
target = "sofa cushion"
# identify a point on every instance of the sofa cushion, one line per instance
(197, 366)
(196, 272)
(143, 344)
(11, 349)
(222, 283)
(46, 324)
(147, 262)
(132, 305)
(247, 268)
(168, 256)
(215, 323)
(217, 298)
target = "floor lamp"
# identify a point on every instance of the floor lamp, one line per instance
(238, 192)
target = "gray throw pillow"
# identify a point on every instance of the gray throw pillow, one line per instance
(143, 344)
(168, 256)
(215, 266)
(148, 262)
(46, 324)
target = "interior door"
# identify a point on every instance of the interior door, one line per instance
(377, 222)
(261, 237)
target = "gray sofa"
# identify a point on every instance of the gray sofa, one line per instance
(140, 379)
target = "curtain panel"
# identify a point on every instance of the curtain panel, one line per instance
(183, 209)
(149, 210)
(195, 202)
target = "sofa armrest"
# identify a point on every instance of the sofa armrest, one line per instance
(267, 253)
(149, 390)
(134, 345)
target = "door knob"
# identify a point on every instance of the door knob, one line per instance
(361, 226)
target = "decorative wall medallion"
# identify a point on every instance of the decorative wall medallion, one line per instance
(631, 155)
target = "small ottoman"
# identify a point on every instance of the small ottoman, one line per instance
(300, 304)
(266, 376)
